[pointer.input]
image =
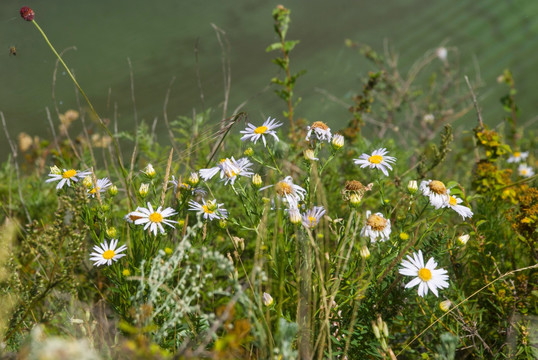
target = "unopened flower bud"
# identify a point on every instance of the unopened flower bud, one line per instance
(27, 13)
(149, 171)
(385, 329)
(462, 239)
(113, 190)
(257, 180)
(412, 186)
(87, 182)
(193, 179)
(267, 299)
(112, 232)
(364, 252)
(445, 305)
(295, 215)
(223, 223)
(337, 141)
(384, 344)
(144, 189)
(309, 155)
(354, 200)
(248, 152)
(55, 170)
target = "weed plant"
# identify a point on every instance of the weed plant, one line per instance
(393, 236)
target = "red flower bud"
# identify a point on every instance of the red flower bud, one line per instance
(27, 13)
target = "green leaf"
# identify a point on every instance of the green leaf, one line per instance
(289, 45)
(273, 47)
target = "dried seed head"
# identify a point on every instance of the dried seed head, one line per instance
(27, 13)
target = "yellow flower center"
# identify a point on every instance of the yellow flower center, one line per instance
(452, 201)
(94, 190)
(260, 130)
(320, 125)
(425, 274)
(376, 159)
(230, 173)
(109, 254)
(437, 187)
(283, 188)
(523, 171)
(517, 154)
(69, 174)
(207, 209)
(376, 222)
(312, 220)
(155, 217)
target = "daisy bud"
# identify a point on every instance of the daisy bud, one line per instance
(295, 216)
(168, 251)
(149, 171)
(267, 299)
(376, 330)
(445, 305)
(27, 13)
(354, 200)
(126, 272)
(223, 223)
(55, 170)
(412, 186)
(112, 232)
(113, 190)
(144, 189)
(248, 152)
(88, 183)
(462, 239)
(309, 155)
(193, 179)
(364, 252)
(337, 141)
(257, 180)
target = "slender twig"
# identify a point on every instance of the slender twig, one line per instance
(475, 102)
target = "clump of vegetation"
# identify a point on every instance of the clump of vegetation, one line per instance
(240, 242)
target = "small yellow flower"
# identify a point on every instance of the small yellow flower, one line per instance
(168, 251)
(126, 272)
(404, 236)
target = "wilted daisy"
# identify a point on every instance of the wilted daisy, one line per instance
(377, 160)
(376, 227)
(524, 170)
(312, 217)
(66, 176)
(321, 130)
(518, 156)
(426, 276)
(210, 209)
(105, 253)
(102, 185)
(454, 203)
(288, 190)
(436, 191)
(254, 133)
(153, 219)
(229, 169)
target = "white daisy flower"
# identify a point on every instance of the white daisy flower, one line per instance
(66, 176)
(229, 169)
(454, 203)
(518, 156)
(254, 133)
(288, 190)
(436, 191)
(321, 130)
(312, 217)
(102, 185)
(426, 276)
(525, 171)
(376, 227)
(377, 160)
(210, 209)
(105, 253)
(153, 219)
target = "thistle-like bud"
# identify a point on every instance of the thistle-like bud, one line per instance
(337, 141)
(364, 252)
(267, 299)
(144, 189)
(87, 182)
(257, 181)
(55, 170)
(249, 152)
(223, 223)
(111, 232)
(149, 171)
(27, 13)
(193, 179)
(462, 239)
(445, 305)
(113, 190)
(412, 186)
